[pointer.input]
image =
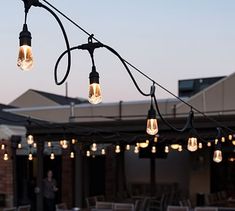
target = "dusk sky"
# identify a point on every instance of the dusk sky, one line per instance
(168, 40)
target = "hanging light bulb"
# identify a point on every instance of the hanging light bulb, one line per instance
(175, 146)
(88, 153)
(155, 139)
(35, 145)
(19, 146)
(223, 139)
(3, 147)
(233, 142)
(216, 141)
(64, 143)
(192, 144)
(128, 147)
(5, 156)
(154, 150)
(74, 141)
(144, 144)
(200, 145)
(30, 139)
(217, 156)
(25, 57)
(71, 154)
(166, 149)
(117, 149)
(230, 137)
(49, 144)
(103, 151)
(52, 156)
(209, 144)
(152, 125)
(136, 150)
(94, 87)
(94, 147)
(30, 156)
(180, 148)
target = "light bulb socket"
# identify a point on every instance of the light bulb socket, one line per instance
(151, 113)
(94, 76)
(25, 36)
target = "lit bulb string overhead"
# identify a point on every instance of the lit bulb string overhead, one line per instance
(91, 45)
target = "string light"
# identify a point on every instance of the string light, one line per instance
(223, 139)
(175, 146)
(49, 144)
(102, 151)
(30, 157)
(154, 150)
(128, 147)
(88, 153)
(117, 149)
(94, 147)
(30, 139)
(35, 145)
(72, 155)
(74, 141)
(230, 137)
(217, 157)
(192, 144)
(5, 156)
(143, 144)
(19, 146)
(200, 145)
(180, 148)
(52, 156)
(166, 149)
(155, 139)
(3, 147)
(64, 143)
(209, 144)
(152, 125)
(136, 150)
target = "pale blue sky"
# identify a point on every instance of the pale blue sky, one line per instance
(167, 39)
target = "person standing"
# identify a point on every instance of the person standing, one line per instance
(49, 190)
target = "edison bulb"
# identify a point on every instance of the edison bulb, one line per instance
(71, 154)
(30, 156)
(154, 150)
(128, 147)
(200, 145)
(88, 153)
(94, 93)
(52, 156)
(19, 146)
(30, 139)
(2, 146)
(217, 156)
(136, 150)
(94, 147)
(117, 149)
(192, 144)
(5, 156)
(166, 149)
(152, 127)
(25, 58)
(102, 151)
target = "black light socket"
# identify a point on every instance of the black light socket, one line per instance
(25, 36)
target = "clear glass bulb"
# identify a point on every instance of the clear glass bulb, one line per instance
(94, 93)
(180, 148)
(5, 156)
(154, 150)
(192, 144)
(128, 147)
(49, 144)
(152, 127)
(117, 149)
(71, 154)
(136, 150)
(166, 149)
(52, 156)
(102, 151)
(200, 145)
(30, 156)
(64, 144)
(25, 58)
(88, 153)
(144, 144)
(19, 146)
(94, 147)
(2, 146)
(217, 156)
(30, 139)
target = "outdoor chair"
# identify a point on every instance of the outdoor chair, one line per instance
(10, 209)
(206, 209)
(61, 207)
(24, 208)
(91, 202)
(177, 208)
(103, 205)
(123, 206)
